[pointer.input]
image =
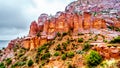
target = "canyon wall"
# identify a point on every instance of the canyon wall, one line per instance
(79, 17)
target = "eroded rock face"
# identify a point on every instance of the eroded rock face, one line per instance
(87, 20)
(33, 42)
(99, 23)
(108, 53)
(41, 20)
(76, 23)
(69, 19)
(60, 23)
(33, 28)
(78, 17)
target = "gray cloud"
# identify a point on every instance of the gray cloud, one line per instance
(16, 15)
(13, 21)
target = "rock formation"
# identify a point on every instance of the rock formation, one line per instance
(75, 18)
(79, 17)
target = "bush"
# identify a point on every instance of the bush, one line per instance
(105, 41)
(71, 66)
(93, 59)
(70, 54)
(64, 34)
(2, 65)
(95, 38)
(40, 49)
(63, 56)
(64, 45)
(30, 63)
(57, 54)
(115, 40)
(19, 64)
(45, 56)
(86, 46)
(80, 34)
(38, 34)
(79, 52)
(80, 40)
(58, 47)
(8, 61)
(58, 34)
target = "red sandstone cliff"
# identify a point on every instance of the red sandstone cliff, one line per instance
(78, 17)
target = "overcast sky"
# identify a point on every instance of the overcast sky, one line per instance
(16, 15)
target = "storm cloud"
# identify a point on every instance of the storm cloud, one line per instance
(16, 15)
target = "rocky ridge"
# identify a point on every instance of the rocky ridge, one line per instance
(80, 17)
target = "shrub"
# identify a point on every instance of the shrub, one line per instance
(80, 34)
(105, 41)
(58, 34)
(20, 55)
(19, 63)
(45, 56)
(63, 56)
(57, 53)
(110, 27)
(96, 37)
(79, 52)
(13, 66)
(115, 40)
(86, 46)
(38, 34)
(64, 45)
(64, 34)
(58, 47)
(93, 59)
(71, 66)
(70, 54)
(8, 61)
(2, 65)
(40, 49)
(30, 63)
(80, 40)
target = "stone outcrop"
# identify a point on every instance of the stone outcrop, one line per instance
(78, 17)
(33, 28)
(107, 52)
(33, 42)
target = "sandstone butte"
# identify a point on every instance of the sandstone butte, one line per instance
(74, 19)
(78, 22)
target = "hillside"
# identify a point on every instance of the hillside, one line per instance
(83, 36)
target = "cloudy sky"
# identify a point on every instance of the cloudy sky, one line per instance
(16, 15)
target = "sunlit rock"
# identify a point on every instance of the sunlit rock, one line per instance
(69, 19)
(33, 29)
(51, 29)
(99, 23)
(41, 20)
(76, 23)
(60, 22)
(87, 21)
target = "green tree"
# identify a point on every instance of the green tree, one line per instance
(93, 58)
(30, 63)
(57, 53)
(63, 56)
(70, 54)
(2, 65)
(80, 40)
(8, 61)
